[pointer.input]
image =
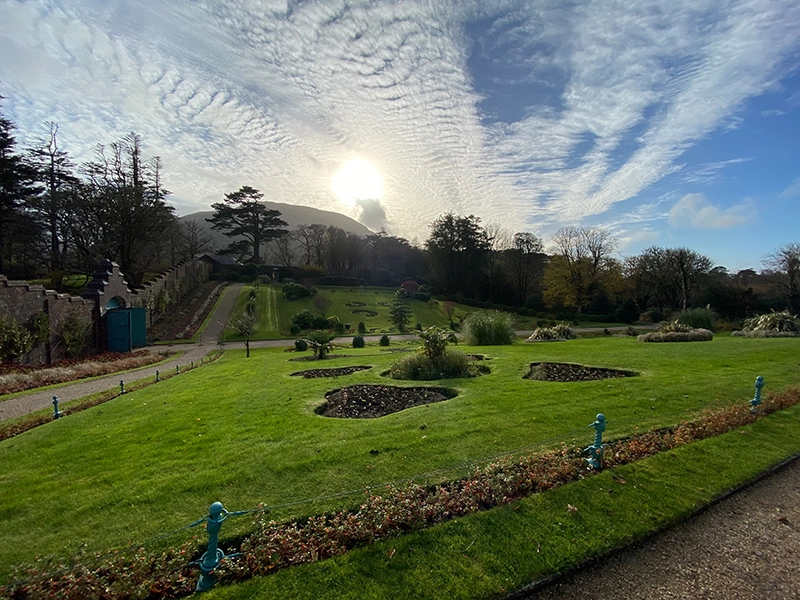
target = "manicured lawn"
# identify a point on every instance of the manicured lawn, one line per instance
(275, 311)
(243, 431)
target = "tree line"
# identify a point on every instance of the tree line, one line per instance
(59, 218)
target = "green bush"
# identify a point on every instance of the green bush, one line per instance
(699, 318)
(339, 328)
(358, 341)
(362, 329)
(489, 328)
(75, 335)
(15, 340)
(384, 340)
(320, 343)
(434, 342)
(294, 329)
(304, 319)
(295, 291)
(422, 368)
(300, 345)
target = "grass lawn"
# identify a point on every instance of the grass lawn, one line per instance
(243, 431)
(275, 311)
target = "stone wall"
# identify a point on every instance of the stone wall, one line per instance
(20, 301)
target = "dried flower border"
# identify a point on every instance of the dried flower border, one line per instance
(273, 546)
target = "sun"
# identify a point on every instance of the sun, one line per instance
(356, 180)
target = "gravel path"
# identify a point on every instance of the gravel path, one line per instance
(746, 547)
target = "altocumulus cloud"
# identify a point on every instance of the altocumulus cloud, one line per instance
(516, 110)
(695, 210)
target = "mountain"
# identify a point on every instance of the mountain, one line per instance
(294, 215)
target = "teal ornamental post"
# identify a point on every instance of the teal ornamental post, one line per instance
(595, 451)
(56, 412)
(121, 386)
(213, 555)
(756, 401)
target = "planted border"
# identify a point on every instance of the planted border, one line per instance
(396, 510)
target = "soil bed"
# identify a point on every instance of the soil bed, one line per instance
(372, 401)
(546, 371)
(338, 372)
(364, 311)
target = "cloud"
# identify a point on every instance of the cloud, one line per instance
(793, 190)
(696, 211)
(278, 95)
(708, 172)
(371, 214)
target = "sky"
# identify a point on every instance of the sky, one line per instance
(673, 123)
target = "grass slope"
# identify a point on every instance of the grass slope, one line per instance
(243, 431)
(275, 311)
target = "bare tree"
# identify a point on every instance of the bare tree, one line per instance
(283, 249)
(786, 262)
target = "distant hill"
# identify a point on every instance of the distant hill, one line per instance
(292, 214)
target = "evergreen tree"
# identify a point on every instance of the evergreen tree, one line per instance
(242, 214)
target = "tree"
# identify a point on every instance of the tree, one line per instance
(786, 262)
(243, 322)
(242, 214)
(51, 208)
(524, 263)
(283, 249)
(457, 248)
(120, 212)
(16, 184)
(192, 239)
(582, 269)
(400, 310)
(666, 277)
(322, 304)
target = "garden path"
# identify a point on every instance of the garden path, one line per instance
(745, 547)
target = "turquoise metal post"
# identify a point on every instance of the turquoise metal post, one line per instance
(121, 386)
(192, 363)
(756, 401)
(213, 555)
(56, 412)
(595, 451)
(177, 369)
(156, 375)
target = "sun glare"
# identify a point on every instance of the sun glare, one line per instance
(357, 180)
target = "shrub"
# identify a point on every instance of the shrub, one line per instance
(300, 345)
(489, 328)
(628, 331)
(304, 319)
(423, 293)
(628, 312)
(774, 324)
(557, 333)
(75, 335)
(434, 342)
(294, 291)
(362, 329)
(694, 335)
(674, 327)
(338, 328)
(698, 318)
(384, 340)
(418, 326)
(320, 323)
(358, 341)
(320, 343)
(15, 340)
(294, 329)
(420, 367)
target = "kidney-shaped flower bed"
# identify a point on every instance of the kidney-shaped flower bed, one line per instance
(335, 372)
(547, 371)
(372, 401)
